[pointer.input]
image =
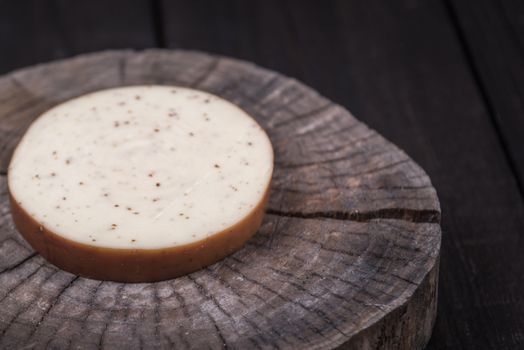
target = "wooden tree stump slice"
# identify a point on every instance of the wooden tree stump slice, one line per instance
(347, 255)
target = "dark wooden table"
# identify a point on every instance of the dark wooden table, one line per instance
(444, 80)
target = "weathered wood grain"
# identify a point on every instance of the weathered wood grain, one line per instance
(493, 38)
(34, 31)
(347, 255)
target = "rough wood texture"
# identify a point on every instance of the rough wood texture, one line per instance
(346, 257)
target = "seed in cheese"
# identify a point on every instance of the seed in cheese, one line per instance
(140, 183)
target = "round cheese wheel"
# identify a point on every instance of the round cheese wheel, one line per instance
(140, 183)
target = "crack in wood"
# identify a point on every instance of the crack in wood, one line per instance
(55, 301)
(181, 334)
(21, 262)
(311, 113)
(8, 292)
(207, 73)
(28, 304)
(108, 321)
(156, 310)
(218, 332)
(272, 107)
(207, 295)
(427, 216)
(264, 90)
(122, 65)
(88, 312)
(103, 333)
(14, 80)
(15, 240)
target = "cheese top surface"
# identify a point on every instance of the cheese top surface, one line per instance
(141, 167)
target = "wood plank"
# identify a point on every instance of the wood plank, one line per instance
(400, 67)
(37, 31)
(493, 35)
(255, 31)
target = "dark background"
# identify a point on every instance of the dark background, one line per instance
(442, 79)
